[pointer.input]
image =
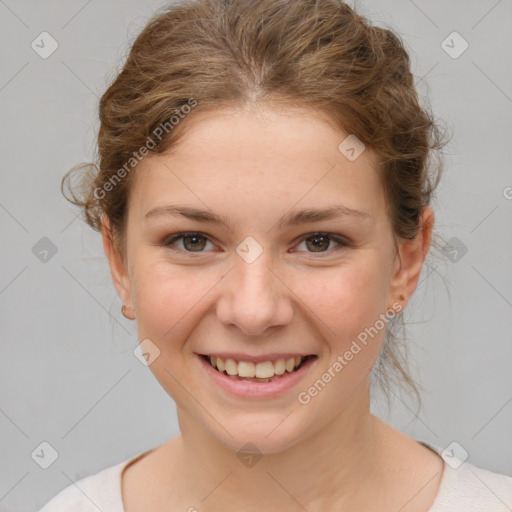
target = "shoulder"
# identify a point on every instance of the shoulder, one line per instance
(100, 491)
(469, 488)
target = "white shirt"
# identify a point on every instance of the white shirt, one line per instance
(465, 489)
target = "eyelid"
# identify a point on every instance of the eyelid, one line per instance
(339, 239)
(175, 237)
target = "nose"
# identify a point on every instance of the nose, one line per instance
(254, 298)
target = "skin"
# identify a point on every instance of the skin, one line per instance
(253, 166)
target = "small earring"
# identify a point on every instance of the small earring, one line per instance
(123, 311)
(402, 297)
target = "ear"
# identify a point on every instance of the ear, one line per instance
(117, 264)
(412, 255)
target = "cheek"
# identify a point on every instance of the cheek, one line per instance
(168, 297)
(348, 305)
(346, 298)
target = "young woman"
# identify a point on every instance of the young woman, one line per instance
(263, 192)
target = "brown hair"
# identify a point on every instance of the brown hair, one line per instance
(230, 53)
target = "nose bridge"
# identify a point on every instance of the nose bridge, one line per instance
(253, 297)
(255, 278)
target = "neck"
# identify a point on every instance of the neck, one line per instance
(332, 466)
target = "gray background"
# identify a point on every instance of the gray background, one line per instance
(67, 372)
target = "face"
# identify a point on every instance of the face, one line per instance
(261, 282)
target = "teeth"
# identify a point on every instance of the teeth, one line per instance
(231, 367)
(263, 370)
(247, 369)
(279, 367)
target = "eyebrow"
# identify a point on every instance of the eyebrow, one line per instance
(305, 215)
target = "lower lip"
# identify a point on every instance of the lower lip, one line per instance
(248, 389)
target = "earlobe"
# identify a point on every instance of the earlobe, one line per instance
(116, 262)
(412, 254)
(125, 312)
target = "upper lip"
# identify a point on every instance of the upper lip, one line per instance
(256, 359)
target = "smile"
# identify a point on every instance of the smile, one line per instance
(263, 379)
(264, 371)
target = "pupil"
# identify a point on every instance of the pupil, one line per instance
(317, 244)
(195, 238)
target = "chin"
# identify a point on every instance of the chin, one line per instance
(265, 436)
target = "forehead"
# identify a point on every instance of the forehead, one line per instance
(262, 158)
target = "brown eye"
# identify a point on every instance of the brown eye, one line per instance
(196, 242)
(319, 242)
(192, 242)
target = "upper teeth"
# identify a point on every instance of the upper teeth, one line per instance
(263, 370)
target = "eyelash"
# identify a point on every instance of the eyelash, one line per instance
(179, 236)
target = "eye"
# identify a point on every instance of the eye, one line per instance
(193, 242)
(196, 242)
(322, 240)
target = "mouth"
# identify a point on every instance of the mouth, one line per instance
(263, 371)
